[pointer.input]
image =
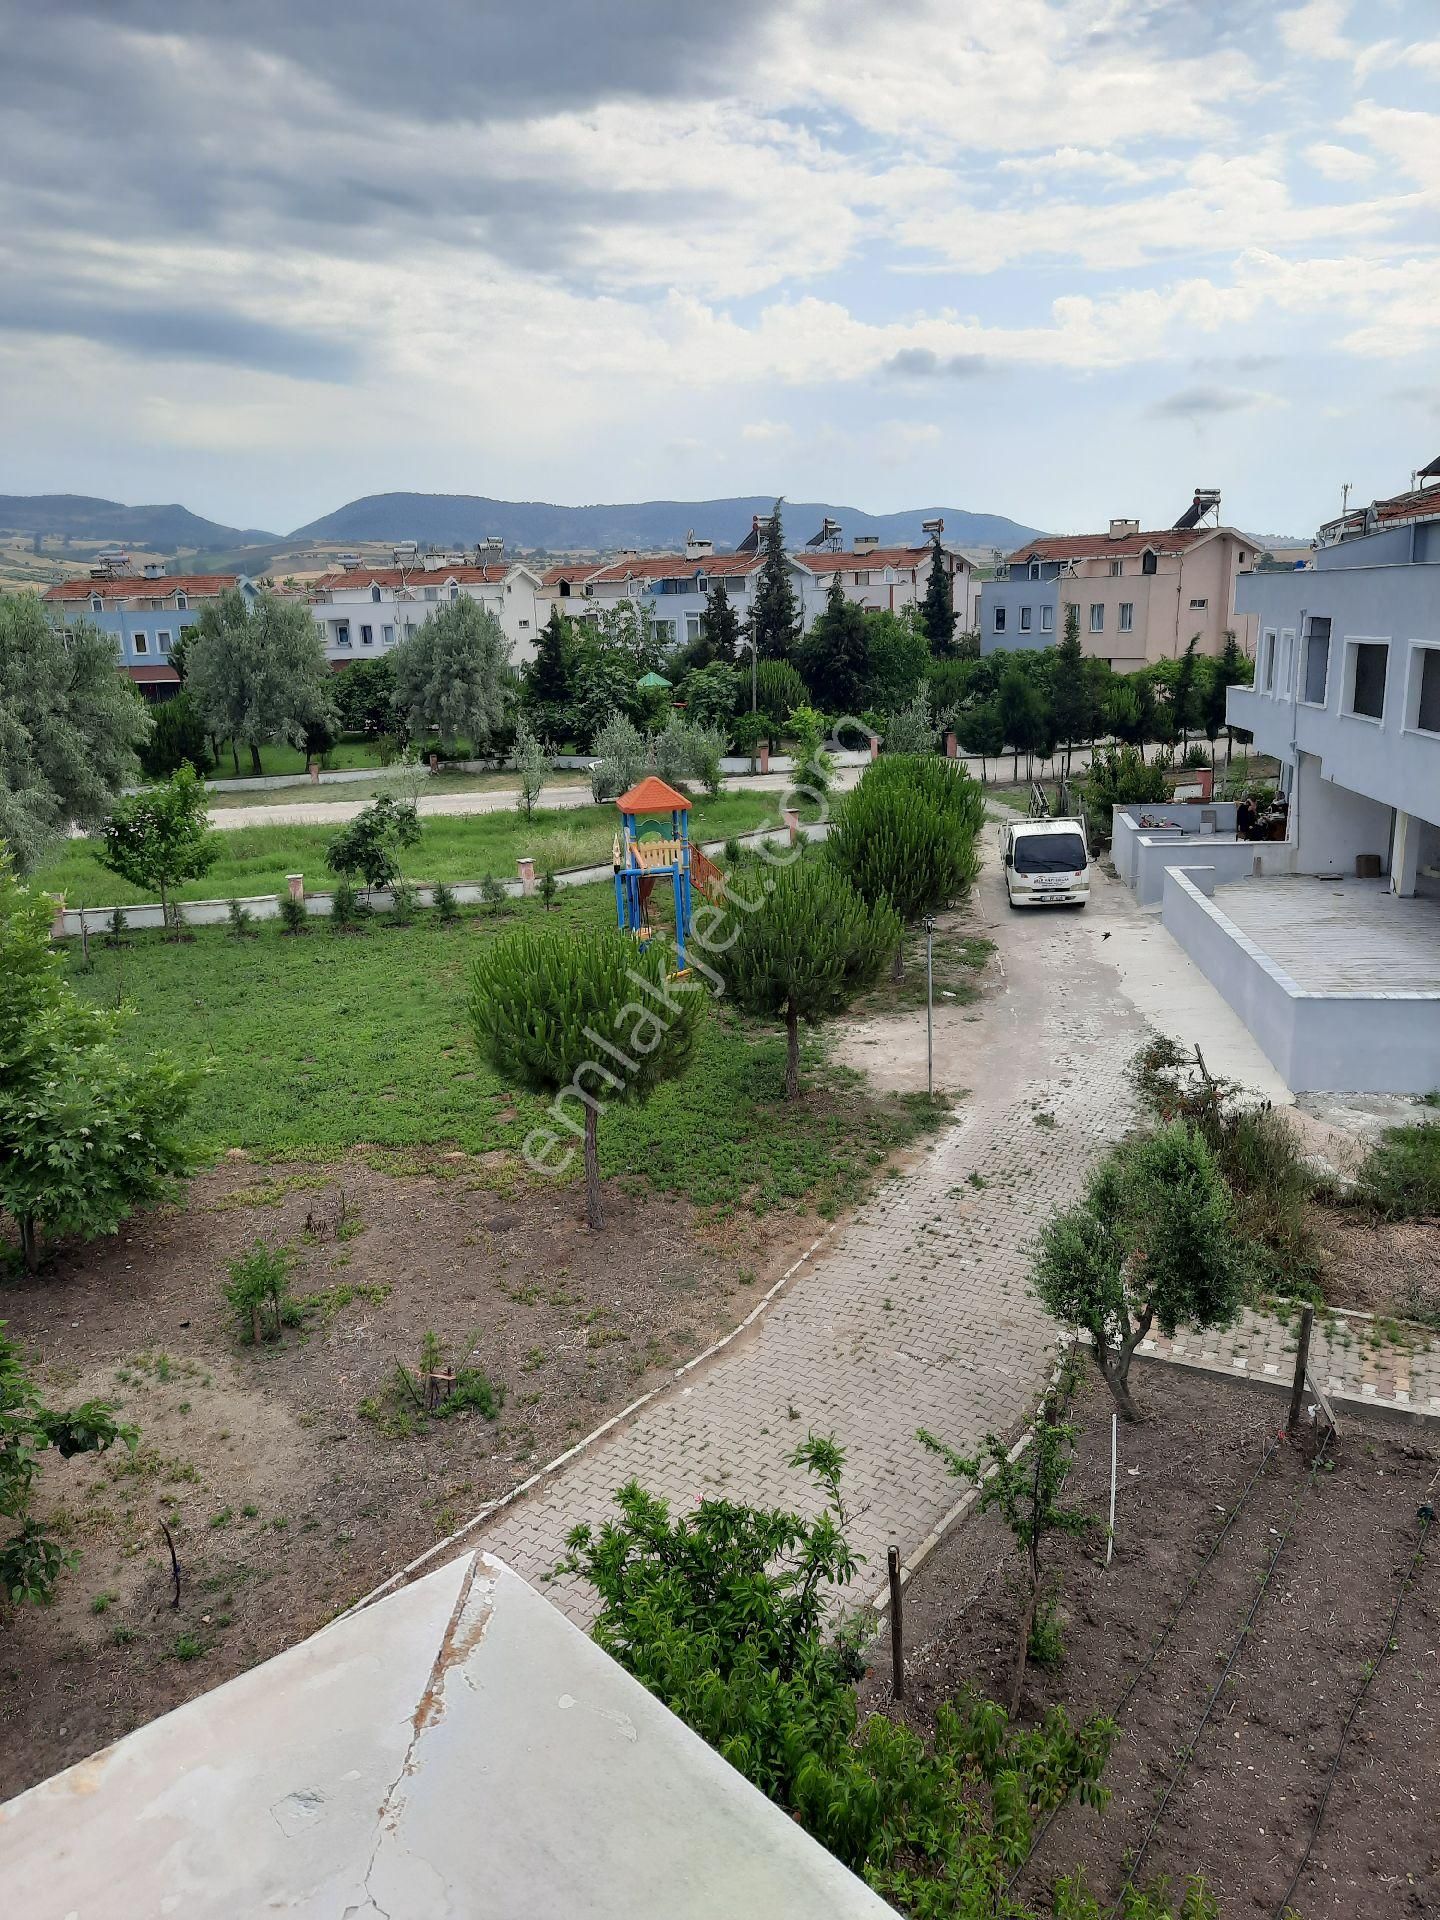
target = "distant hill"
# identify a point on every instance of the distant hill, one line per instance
(76, 516)
(459, 519)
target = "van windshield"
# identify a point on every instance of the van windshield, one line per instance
(1049, 853)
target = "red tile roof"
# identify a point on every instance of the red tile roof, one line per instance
(552, 576)
(675, 566)
(652, 796)
(1096, 546)
(1421, 503)
(823, 561)
(153, 676)
(130, 587)
(411, 576)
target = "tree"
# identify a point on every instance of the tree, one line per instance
(981, 733)
(834, 656)
(532, 763)
(1152, 1242)
(592, 1020)
(258, 675)
(1069, 692)
(452, 675)
(1232, 669)
(1183, 690)
(549, 686)
(778, 691)
(806, 952)
(179, 736)
(365, 695)
(30, 1559)
(774, 616)
(70, 726)
(719, 628)
(604, 687)
(161, 838)
(1120, 777)
(1021, 713)
(621, 747)
(938, 607)
(369, 847)
(711, 695)
(899, 658)
(84, 1138)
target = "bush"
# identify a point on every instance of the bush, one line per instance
(778, 691)
(346, 911)
(907, 834)
(1196, 755)
(293, 917)
(621, 749)
(402, 902)
(179, 736)
(442, 898)
(710, 695)
(492, 894)
(1120, 777)
(912, 729)
(259, 1292)
(1400, 1177)
(242, 921)
(119, 929)
(549, 887)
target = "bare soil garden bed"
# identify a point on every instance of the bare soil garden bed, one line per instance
(287, 1502)
(1244, 1804)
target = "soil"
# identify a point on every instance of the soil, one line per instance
(1390, 1268)
(1244, 1804)
(285, 1502)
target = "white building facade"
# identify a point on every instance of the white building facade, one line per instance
(363, 612)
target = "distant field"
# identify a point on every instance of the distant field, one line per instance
(255, 860)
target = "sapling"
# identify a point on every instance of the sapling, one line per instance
(293, 916)
(549, 887)
(492, 893)
(241, 920)
(443, 900)
(259, 1292)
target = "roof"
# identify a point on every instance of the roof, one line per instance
(652, 796)
(582, 570)
(830, 562)
(652, 680)
(1419, 503)
(130, 586)
(156, 676)
(676, 566)
(457, 1747)
(412, 576)
(1094, 546)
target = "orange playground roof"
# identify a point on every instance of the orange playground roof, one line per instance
(652, 796)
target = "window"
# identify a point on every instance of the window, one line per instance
(454, 593)
(1117, 568)
(387, 634)
(1148, 561)
(999, 619)
(375, 594)
(1198, 606)
(1097, 617)
(1050, 853)
(1127, 616)
(1317, 660)
(154, 604)
(702, 583)
(1032, 572)
(564, 589)
(692, 626)
(409, 628)
(1425, 701)
(1025, 619)
(1365, 678)
(367, 636)
(1266, 674)
(140, 643)
(1047, 619)
(524, 626)
(431, 593)
(182, 601)
(162, 642)
(862, 579)
(1285, 671)
(97, 605)
(342, 633)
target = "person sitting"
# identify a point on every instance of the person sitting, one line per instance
(1245, 820)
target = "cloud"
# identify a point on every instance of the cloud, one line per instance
(922, 363)
(766, 432)
(1201, 403)
(1339, 163)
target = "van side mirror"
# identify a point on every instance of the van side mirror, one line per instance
(1009, 859)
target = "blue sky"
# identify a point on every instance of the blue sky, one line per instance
(1056, 260)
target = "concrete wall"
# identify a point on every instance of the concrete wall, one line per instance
(1332, 825)
(1226, 858)
(1319, 1042)
(1186, 816)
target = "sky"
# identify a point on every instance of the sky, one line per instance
(1058, 259)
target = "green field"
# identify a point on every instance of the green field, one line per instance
(255, 860)
(322, 1042)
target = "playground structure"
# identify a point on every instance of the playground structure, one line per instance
(645, 854)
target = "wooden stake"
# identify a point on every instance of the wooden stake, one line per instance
(897, 1629)
(1302, 1361)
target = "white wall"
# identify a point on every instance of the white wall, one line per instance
(1331, 825)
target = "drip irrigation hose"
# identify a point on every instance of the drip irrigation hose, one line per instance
(1426, 1514)
(1216, 1690)
(1156, 1645)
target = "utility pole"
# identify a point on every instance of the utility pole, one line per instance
(930, 1005)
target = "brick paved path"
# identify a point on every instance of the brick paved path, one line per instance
(1352, 1356)
(916, 1314)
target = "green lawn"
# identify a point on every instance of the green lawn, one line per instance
(323, 1042)
(255, 860)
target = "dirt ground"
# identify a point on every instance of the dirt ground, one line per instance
(285, 1502)
(1243, 1807)
(1391, 1268)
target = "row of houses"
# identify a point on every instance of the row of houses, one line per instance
(363, 610)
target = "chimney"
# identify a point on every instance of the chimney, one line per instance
(697, 548)
(1123, 529)
(865, 542)
(153, 570)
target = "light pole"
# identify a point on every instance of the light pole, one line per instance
(754, 670)
(930, 1005)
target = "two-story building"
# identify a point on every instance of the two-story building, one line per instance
(363, 611)
(1140, 596)
(145, 614)
(674, 586)
(887, 579)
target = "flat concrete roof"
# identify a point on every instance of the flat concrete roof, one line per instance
(1339, 936)
(458, 1748)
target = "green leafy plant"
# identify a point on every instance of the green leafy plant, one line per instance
(118, 929)
(442, 899)
(1120, 777)
(347, 910)
(814, 768)
(532, 764)
(242, 921)
(402, 903)
(549, 887)
(293, 917)
(1399, 1178)
(368, 849)
(161, 838)
(433, 1390)
(492, 894)
(259, 1292)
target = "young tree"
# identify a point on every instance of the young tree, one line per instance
(834, 656)
(621, 747)
(1153, 1242)
(452, 675)
(806, 952)
(1069, 692)
(161, 838)
(179, 736)
(369, 847)
(912, 729)
(938, 606)
(899, 658)
(1021, 713)
(84, 1138)
(258, 676)
(588, 1019)
(365, 695)
(532, 764)
(719, 628)
(549, 687)
(774, 617)
(30, 1558)
(1232, 669)
(70, 726)
(982, 734)
(711, 695)
(1183, 691)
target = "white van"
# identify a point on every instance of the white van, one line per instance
(1046, 863)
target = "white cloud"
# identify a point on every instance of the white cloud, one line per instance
(766, 432)
(1339, 163)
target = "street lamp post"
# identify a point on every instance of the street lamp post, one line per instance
(930, 1005)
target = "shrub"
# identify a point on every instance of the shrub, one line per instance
(778, 691)
(912, 729)
(1400, 1176)
(549, 887)
(259, 1292)
(442, 899)
(1196, 755)
(369, 848)
(293, 917)
(621, 749)
(402, 902)
(118, 935)
(749, 731)
(710, 695)
(346, 910)
(179, 736)
(814, 768)
(907, 834)
(1120, 777)
(492, 894)
(242, 921)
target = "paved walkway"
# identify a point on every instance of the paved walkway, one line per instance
(1352, 1356)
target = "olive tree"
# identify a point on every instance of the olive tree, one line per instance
(591, 1020)
(452, 675)
(258, 674)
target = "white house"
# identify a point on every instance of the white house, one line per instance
(888, 579)
(675, 586)
(363, 611)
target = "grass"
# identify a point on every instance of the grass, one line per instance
(958, 960)
(435, 785)
(256, 860)
(1400, 1177)
(325, 1042)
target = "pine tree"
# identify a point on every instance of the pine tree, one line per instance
(1069, 697)
(1182, 691)
(550, 677)
(806, 952)
(719, 628)
(774, 619)
(1232, 669)
(938, 606)
(835, 654)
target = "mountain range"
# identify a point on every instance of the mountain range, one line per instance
(78, 516)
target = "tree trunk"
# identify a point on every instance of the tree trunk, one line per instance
(1015, 770)
(166, 929)
(592, 1168)
(792, 1054)
(30, 1243)
(897, 966)
(235, 757)
(254, 1326)
(255, 766)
